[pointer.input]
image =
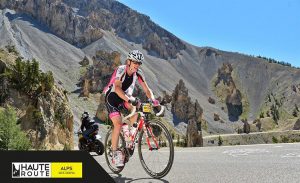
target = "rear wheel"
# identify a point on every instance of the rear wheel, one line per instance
(108, 151)
(157, 162)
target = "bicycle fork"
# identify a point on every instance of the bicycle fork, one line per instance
(148, 131)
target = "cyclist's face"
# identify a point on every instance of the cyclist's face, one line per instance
(134, 65)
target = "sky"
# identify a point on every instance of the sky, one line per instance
(269, 28)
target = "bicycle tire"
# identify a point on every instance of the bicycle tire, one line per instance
(166, 170)
(115, 170)
(100, 147)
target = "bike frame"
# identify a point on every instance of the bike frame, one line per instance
(142, 125)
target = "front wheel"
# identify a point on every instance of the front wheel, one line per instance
(156, 150)
(99, 147)
(108, 151)
(82, 144)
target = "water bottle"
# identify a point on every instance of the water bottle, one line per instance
(133, 128)
(126, 134)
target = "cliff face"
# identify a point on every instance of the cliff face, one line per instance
(81, 22)
(60, 18)
(47, 121)
(46, 118)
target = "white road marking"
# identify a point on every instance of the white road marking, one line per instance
(291, 155)
(245, 152)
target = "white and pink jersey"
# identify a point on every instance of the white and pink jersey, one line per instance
(119, 74)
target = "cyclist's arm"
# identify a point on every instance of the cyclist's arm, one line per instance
(147, 90)
(119, 91)
(143, 83)
(82, 125)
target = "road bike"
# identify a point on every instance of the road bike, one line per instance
(154, 142)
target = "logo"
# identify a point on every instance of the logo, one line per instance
(16, 171)
(31, 170)
(47, 170)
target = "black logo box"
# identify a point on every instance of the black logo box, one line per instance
(91, 170)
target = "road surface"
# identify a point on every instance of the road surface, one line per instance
(272, 163)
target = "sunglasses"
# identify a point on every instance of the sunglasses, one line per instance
(135, 62)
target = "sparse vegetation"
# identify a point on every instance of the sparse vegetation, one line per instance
(220, 141)
(275, 113)
(3, 87)
(296, 108)
(271, 60)
(284, 139)
(85, 62)
(262, 115)
(216, 117)
(295, 111)
(274, 140)
(178, 140)
(11, 136)
(12, 49)
(211, 100)
(204, 125)
(67, 147)
(26, 77)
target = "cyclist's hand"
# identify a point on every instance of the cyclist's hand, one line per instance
(159, 111)
(155, 102)
(134, 101)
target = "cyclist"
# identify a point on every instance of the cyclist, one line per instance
(118, 95)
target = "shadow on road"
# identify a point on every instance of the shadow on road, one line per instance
(121, 179)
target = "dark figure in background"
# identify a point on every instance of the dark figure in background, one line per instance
(89, 125)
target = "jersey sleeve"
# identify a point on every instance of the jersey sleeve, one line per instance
(120, 71)
(117, 75)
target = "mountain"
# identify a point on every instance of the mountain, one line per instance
(60, 33)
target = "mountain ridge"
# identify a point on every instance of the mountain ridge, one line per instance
(197, 66)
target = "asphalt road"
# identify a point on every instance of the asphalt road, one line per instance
(235, 164)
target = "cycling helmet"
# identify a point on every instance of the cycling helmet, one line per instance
(136, 55)
(85, 114)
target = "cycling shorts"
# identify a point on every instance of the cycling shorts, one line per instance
(115, 104)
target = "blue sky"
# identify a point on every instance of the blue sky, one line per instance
(269, 28)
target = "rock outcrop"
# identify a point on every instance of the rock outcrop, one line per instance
(296, 88)
(98, 74)
(48, 120)
(194, 134)
(55, 125)
(182, 106)
(297, 125)
(228, 92)
(184, 110)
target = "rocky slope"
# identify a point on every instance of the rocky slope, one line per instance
(110, 26)
(46, 118)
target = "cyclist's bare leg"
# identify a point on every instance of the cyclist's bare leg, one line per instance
(117, 121)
